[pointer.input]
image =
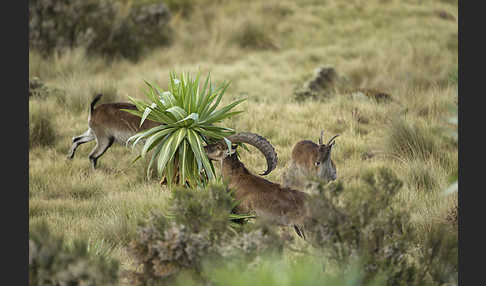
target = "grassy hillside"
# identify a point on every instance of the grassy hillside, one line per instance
(267, 49)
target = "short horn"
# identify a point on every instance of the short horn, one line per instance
(332, 139)
(320, 139)
(261, 144)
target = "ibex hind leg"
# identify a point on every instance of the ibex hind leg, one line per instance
(81, 139)
(101, 146)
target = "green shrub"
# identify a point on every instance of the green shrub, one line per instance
(198, 229)
(381, 238)
(188, 118)
(196, 245)
(364, 242)
(439, 255)
(52, 262)
(41, 129)
(102, 27)
(146, 26)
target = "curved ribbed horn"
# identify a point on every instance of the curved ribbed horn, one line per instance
(261, 144)
(320, 139)
(332, 139)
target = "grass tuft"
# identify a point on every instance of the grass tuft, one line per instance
(408, 141)
(253, 36)
(421, 176)
(78, 92)
(41, 128)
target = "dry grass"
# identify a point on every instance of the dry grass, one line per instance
(41, 130)
(401, 47)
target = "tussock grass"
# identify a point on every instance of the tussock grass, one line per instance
(70, 63)
(252, 35)
(46, 186)
(408, 141)
(41, 129)
(79, 93)
(421, 176)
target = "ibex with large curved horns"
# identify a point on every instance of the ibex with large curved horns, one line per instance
(283, 206)
(310, 162)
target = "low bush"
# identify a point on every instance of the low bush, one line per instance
(196, 244)
(381, 237)
(52, 262)
(109, 28)
(197, 229)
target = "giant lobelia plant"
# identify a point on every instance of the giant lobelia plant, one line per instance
(188, 117)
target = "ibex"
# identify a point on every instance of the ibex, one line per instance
(310, 161)
(107, 124)
(283, 206)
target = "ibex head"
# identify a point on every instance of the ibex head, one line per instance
(323, 164)
(219, 150)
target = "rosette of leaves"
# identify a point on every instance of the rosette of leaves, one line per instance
(188, 117)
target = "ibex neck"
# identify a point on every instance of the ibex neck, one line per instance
(329, 170)
(329, 163)
(232, 166)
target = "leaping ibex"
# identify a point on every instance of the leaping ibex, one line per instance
(310, 162)
(109, 123)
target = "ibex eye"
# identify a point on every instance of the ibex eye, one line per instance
(317, 163)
